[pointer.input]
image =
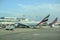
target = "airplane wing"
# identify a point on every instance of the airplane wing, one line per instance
(22, 25)
(44, 19)
(54, 21)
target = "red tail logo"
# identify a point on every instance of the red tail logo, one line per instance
(54, 21)
(44, 19)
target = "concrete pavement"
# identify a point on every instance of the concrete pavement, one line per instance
(36, 34)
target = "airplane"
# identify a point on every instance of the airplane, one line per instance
(32, 24)
(53, 22)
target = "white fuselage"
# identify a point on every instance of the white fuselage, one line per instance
(29, 23)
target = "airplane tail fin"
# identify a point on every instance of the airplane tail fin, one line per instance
(44, 19)
(47, 16)
(54, 21)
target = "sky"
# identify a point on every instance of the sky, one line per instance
(32, 9)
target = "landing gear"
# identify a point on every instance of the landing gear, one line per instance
(51, 25)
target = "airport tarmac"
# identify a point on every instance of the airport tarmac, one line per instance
(30, 34)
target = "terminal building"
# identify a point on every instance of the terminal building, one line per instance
(11, 20)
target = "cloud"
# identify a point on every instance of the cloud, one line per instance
(40, 8)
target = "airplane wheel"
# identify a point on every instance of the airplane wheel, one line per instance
(11, 29)
(7, 29)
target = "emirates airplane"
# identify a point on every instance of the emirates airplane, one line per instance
(33, 24)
